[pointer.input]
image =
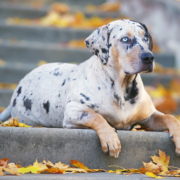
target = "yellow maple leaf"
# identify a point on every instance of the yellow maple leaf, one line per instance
(14, 123)
(40, 165)
(162, 159)
(30, 169)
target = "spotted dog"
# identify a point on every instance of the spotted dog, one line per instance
(104, 93)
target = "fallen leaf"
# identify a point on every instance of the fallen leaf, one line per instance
(14, 123)
(162, 159)
(4, 162)
(78, 164)
(154, 168)
(153, 175)
(29, 169)
(60, 8)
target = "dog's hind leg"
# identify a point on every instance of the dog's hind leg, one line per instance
(6, 114)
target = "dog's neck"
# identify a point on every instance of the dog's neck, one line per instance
(124, 86)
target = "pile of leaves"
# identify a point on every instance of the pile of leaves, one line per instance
(157, 169)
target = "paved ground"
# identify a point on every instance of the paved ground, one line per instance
(89, 176)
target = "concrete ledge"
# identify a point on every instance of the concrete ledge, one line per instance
(27, 144)
(42, 34)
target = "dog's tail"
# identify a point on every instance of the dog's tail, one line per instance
(6, 114)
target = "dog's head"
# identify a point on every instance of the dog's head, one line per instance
(124, 43)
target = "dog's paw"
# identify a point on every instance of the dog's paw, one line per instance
(110, 142)
(175, 137)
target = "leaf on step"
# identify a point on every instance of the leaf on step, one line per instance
(154, 168)
(4, 162)
(153, 175)
(162, 159)
(14, 123)
(30, 169)
(78, 164)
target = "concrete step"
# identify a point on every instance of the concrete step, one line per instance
(33, 52)
(28, 12)
(80, 3)
(56, 144)
(27, 144)
(41, 34)
(27, 52)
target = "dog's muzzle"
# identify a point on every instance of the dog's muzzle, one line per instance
(147, 58)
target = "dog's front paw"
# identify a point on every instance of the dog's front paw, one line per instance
(175, 137)
(110, 142)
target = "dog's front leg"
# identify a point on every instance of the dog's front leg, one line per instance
(78, 116)
(160, 122)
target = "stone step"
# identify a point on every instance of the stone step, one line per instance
(41, 34)
(28, 12)
(26, 52)
(80, 3)
(55, 144)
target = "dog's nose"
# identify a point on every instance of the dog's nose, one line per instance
(147, 58)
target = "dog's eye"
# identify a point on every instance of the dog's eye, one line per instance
(146, 37)
(125, 39)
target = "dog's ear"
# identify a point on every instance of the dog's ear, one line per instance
(150, 38)
(98, 43)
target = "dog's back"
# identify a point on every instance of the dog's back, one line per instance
(35, 98)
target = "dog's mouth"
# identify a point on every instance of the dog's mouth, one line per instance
(148, 68)
(144, 68)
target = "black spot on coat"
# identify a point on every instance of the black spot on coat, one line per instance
(87, 98)
(83, 115)
(14, 102)
(104, 50)
(132, 92)
(46, 106)
(63, 82)
(96, 52)
(81, 101)
(19, 91)
(27, 104)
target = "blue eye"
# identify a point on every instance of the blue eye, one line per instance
(146, 37)
(125, 39)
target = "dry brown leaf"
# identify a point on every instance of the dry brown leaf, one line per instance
(60, 8)
(162, 159)
(167, 105)
(154, 168)
(105, 7)
(8, 86)
(109, 7)
(4, 162)
(14, 123)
